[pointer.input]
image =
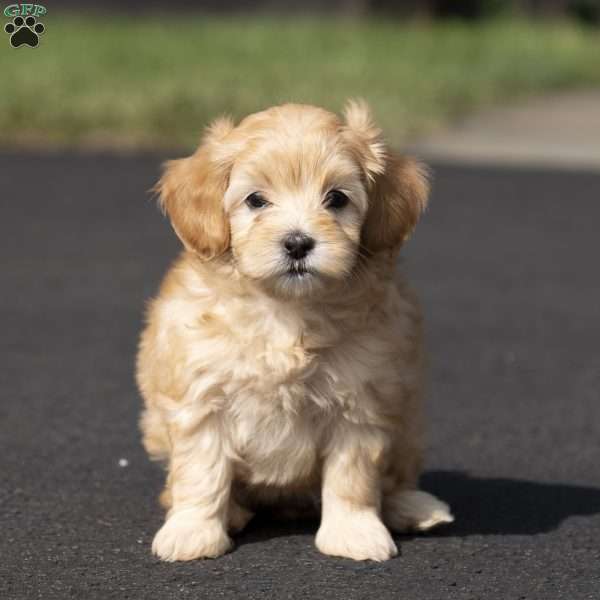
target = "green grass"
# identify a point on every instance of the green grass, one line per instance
(142, 82)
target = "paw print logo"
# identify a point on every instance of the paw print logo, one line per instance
(24, 31)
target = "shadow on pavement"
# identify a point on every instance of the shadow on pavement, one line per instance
(482, 506)
(493, 506)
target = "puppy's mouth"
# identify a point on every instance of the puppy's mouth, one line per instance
(298, 278)
(299, 270)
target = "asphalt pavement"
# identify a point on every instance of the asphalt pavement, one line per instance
(506, 263)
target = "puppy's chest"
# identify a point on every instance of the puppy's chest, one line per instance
(275, 446)
(280, 403)
(278, 356)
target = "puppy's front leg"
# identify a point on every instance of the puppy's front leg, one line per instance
(351, 498)
(200, 481)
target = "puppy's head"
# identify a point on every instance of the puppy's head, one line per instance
(294, 195)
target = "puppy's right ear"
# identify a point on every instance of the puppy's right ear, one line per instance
(191, 193)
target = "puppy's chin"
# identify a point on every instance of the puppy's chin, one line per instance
(297, 284)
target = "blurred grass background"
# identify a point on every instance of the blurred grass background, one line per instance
(144, 81)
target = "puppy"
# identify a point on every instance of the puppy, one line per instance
(282, 362)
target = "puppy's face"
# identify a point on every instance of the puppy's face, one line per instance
(296, 202)
(295, 194)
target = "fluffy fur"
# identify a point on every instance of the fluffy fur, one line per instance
(267, 385)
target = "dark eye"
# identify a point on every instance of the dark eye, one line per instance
(255, 200)
(336, 200)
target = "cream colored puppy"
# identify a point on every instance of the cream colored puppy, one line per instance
(282, 362)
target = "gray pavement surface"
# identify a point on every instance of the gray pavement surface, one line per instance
(506, 262)
(560, 130)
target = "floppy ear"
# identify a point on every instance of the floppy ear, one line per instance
(397, 198)
(397, 186)
(191, 193)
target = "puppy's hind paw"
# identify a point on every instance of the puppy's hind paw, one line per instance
(414, 510)
(238, 517)
(186, 535)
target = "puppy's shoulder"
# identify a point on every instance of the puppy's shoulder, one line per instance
(183, 293)
(406, 294)
(186, 275)
(173, 320)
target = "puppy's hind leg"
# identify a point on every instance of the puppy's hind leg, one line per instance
(238, 516)
(414, 510)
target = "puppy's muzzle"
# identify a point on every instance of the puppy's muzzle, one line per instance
(298, 245)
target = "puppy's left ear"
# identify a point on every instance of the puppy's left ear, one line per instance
(397, 186)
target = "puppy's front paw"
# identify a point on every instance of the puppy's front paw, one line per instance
(359, 535)
(186, 535)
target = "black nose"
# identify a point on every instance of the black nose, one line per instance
(298, 244)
